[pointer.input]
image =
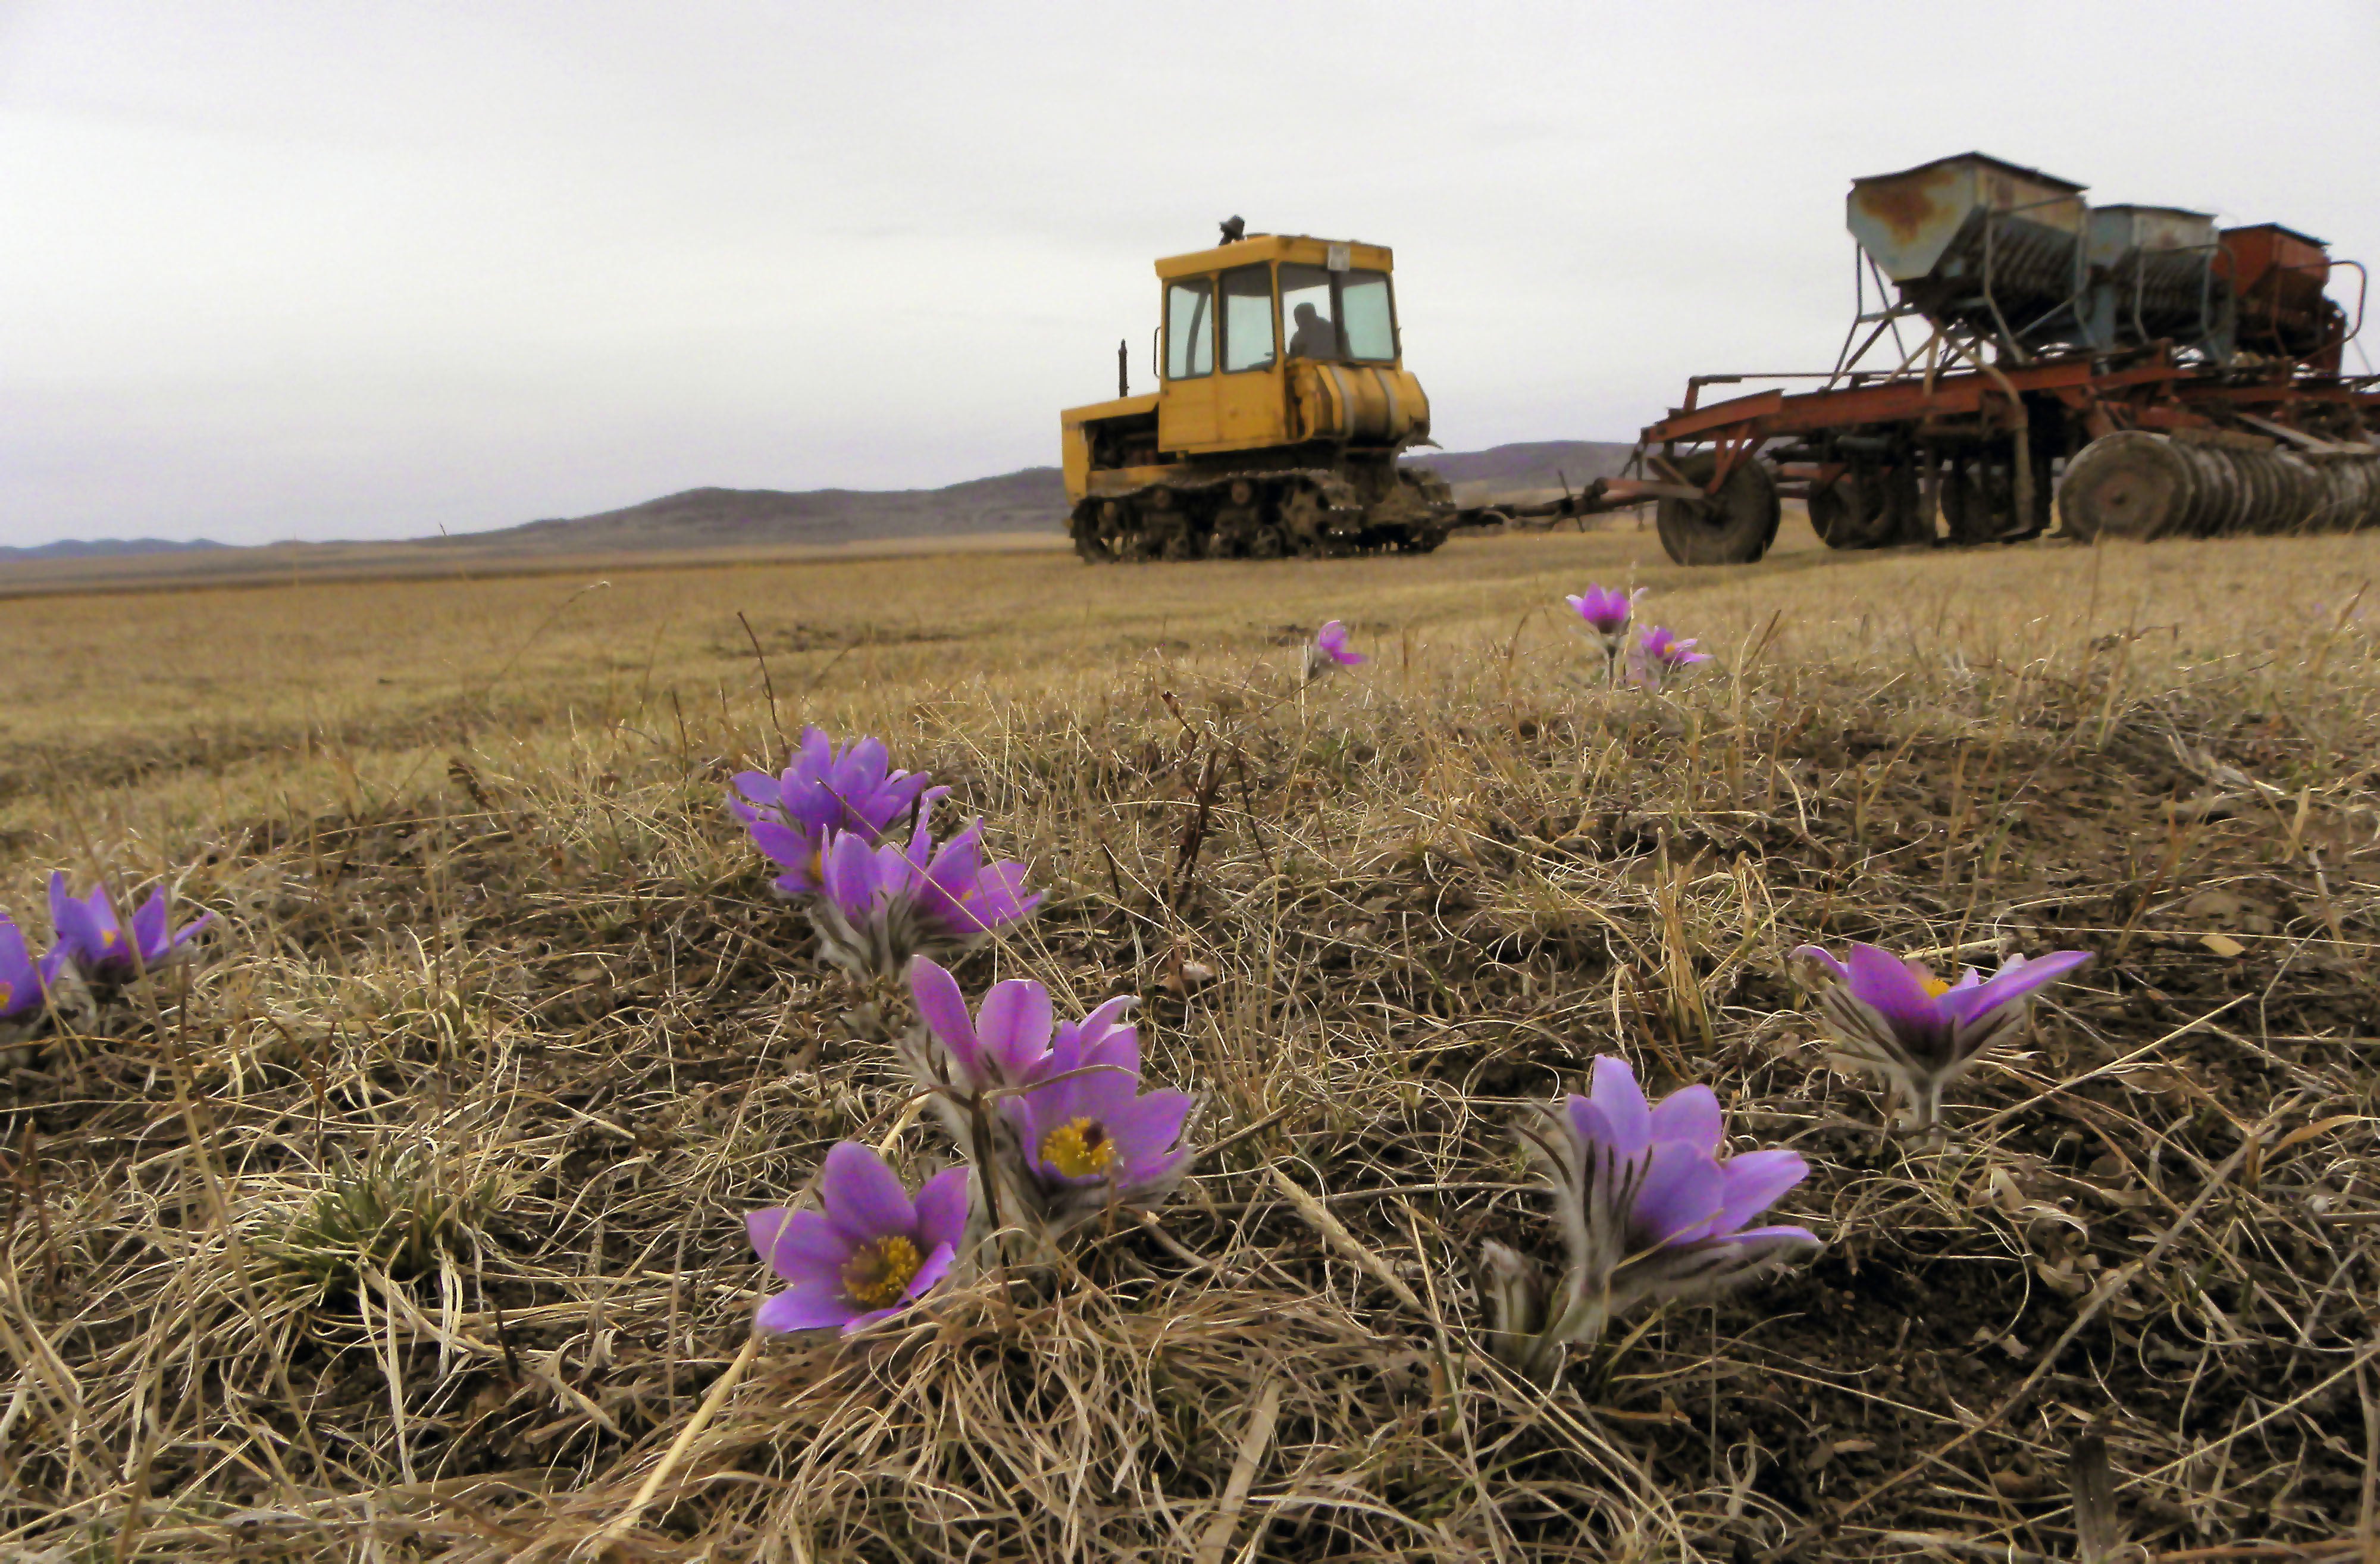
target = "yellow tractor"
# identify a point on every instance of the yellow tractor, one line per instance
(1280, 407)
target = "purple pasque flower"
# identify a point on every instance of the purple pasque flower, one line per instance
(23, 982)
(1086, 1136)
(1661, 656)
(1327, 651)
(823, 792)
(99, 946)
(868, 1252)
(1649, 1209)
(882, 904)
(1605, 610)
(1331, 642)
(1896, 1018)
(1003, 1044)
(1008, 1041)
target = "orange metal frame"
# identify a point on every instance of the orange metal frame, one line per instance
(2154, 394)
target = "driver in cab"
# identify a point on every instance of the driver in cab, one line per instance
(1315, 337)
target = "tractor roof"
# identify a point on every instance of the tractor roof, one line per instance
(1274, 247)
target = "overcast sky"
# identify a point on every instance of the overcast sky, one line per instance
(289, 268)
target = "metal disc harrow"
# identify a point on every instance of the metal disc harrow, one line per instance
(2216, 483)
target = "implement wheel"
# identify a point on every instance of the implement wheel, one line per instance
(2129, 485)
(1732, 527)
(1866, 508)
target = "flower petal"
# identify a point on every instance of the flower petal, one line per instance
(1690, 1114)
(943, 1010)
(1117, 1049)
(1780, 1237)
(1030, 1113)
(2016, 980)
(148, 922)
(1615, 1091)
(861, 1322)
(1106, 1018)
(1682, 1197)
(1884, 982)
(937, 1266)
(863, 1197)
(1587, 1121)
(781, 843)
(1755, 1182)
(1015, 1024)
(1812, 965)
(943, 1208)
(14, 955)
(1144, 1129)
(852, 875)
(1102, 1090)
(999, 895)
(1145, 1180)
(805, 1306)
(797, 1245)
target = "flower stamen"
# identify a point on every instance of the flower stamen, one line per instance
(1078, 1148)
(879, 1272)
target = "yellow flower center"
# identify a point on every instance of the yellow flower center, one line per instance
(107, 939)
(1078, 1148)
(878, 1273)
(7, 992)
(1935, 987)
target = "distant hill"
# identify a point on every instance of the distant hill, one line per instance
(98, 548)
(1031, 501)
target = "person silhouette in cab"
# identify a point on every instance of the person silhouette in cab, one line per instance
(1315, 337)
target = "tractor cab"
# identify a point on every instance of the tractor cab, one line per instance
(1277, 355)
(1265, 342)
(1272, 341)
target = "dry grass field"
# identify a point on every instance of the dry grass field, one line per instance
(407, 1222)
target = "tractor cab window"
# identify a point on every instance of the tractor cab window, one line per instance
(1366, 317)
(1190, 328)
(1309, 312)
(1247, 319)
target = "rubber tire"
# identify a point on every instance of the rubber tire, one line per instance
(1830, 518)
(1886, 514)
(1734, 526)
(1970, 510)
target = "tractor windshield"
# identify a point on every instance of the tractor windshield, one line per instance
(1341, 315)
(1310, 312)
(1247, 319)
(1365, 316)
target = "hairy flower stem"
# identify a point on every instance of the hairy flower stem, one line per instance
(880, 1011)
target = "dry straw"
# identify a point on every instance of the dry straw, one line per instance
(494, 957)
